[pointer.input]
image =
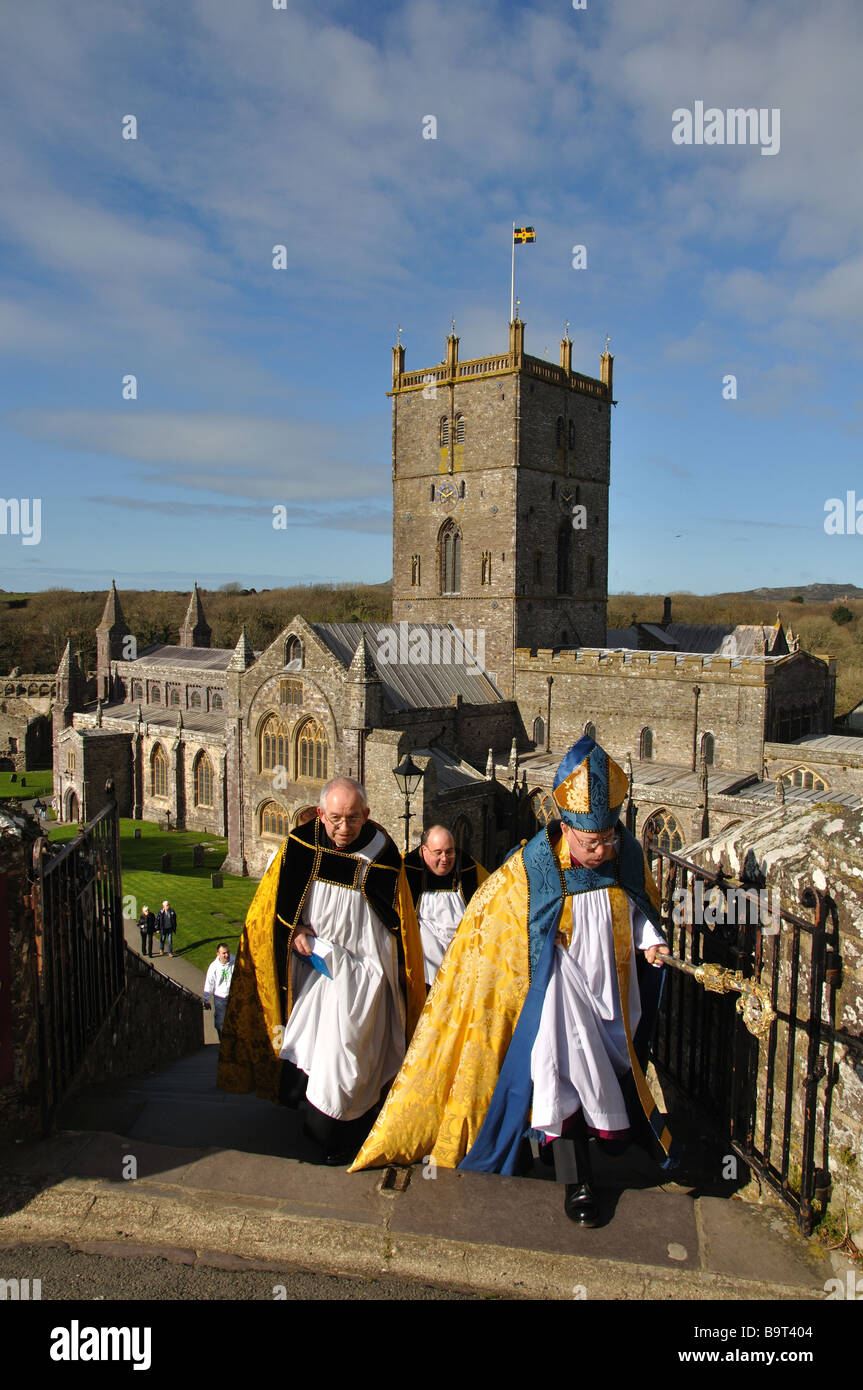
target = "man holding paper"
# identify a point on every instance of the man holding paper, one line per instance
(329, 978)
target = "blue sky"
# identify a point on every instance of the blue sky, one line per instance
(304, 127)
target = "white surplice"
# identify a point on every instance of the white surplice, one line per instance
(438, 914)
(347, 1033)
(580, 1048)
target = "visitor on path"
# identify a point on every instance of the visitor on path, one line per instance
(166, 925)
(147, 925)
(217, 985)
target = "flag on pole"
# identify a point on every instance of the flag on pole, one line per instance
(522, 234)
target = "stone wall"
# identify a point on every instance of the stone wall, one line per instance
(794, 847)
(20, 1096)
(153, 1023)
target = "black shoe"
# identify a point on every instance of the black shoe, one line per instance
(580, 1204)
(343, 1159)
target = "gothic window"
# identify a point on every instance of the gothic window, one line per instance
(444, 431)
(645, 745)
(462, 834)
(416, 570)
(137, 690)
(539, 731)
(486, 567)
(70, 760)
(590, 730)
(543, 808)
(294, 651)
(564, 559)
(450, 558)
(663, 829)
(312, 752)
(175, 697)
(708, 749)
(807, 779)
(159, 771)
(274, 820)
(559, 432)
(155, 694)
(291, 693)
(216, 702)
(459, 429)
(195, 700)
(273, 743)
(203, 780)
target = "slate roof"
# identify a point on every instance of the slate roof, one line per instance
(192, 658)
(407, 686)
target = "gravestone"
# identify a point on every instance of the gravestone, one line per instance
(137, 832)
(215, 880)
(166, 863)
(198, 857)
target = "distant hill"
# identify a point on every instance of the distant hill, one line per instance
(810, 593)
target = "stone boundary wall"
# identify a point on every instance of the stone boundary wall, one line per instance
(20, 1096)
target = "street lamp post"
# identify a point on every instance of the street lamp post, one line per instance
(408, 777)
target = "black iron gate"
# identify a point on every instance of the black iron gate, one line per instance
(77, 903)
(761, 1094)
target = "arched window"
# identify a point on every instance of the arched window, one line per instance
(216, 701)
(159, 771)
(539, 731)
(294, 651)
(195, 700)
(312, 752)
(450, 558)
(273, 746)
(590, 730)
(462, 834)
(645, 745)
(544, 809)
(444, 432)
(564, 559)
(663, 829)
(459, 429)
(416, 571)
(175, 697)
(708, 749)
(137, 690)
(203, 780)
(275, 820)
(431, 492)
(155, 694)
(485, 574)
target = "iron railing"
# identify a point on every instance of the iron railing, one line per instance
(78, 909)
(762, 1094)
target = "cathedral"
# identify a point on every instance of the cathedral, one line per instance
(496, 660)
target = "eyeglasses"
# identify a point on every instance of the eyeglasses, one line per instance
(343, 820)
(601, 842)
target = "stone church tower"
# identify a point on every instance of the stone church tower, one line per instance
(110, 646)
(196, 631)
(500, 500)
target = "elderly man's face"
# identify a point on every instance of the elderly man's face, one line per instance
(439, 852)
(344, 817)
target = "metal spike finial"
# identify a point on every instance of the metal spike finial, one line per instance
(399, 335)
(453, 326)
(566, 331)
(607, 341)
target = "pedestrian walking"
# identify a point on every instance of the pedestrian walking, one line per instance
(166, 925)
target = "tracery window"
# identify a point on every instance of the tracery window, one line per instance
(275, 820)
(450, 559)
(159, 772)
(663, 828)
(291, 693)
(203, 780)
(807, 779)
(273, 743)
(645, 745)
(708, 749)
(312, 752)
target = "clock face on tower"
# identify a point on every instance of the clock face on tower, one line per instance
(567, 499)
(446, 496)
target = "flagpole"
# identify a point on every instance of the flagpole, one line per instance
(512, 280)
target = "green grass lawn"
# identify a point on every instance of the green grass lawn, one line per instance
(205, 915)
(37, 784)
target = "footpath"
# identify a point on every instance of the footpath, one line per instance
(169, 1165)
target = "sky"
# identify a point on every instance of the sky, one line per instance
(728, 276)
